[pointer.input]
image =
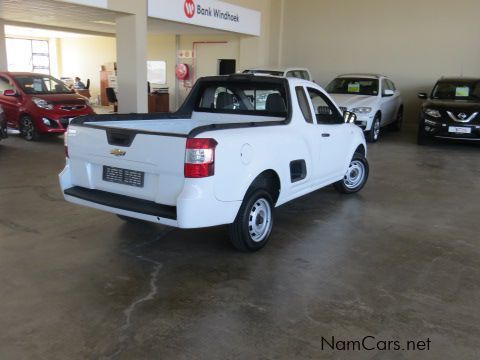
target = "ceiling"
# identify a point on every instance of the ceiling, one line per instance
(49, 13)
(32, 33)
(67, 17)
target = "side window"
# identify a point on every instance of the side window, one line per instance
(391, 85)
(325, 111)
(384, 86)
(305, 75)
(5, 85)
(290, 74)
(304, 105)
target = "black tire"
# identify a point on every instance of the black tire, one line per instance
(28, 129)
(397, 125)
(373, 135)
(241, 231)
(346, 185)
(422, 139)
(130, 220)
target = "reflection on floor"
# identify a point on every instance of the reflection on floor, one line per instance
(398, 261)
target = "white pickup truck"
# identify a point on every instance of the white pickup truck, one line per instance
(239, 146)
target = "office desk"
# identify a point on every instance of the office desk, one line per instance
(83, 92)
(158, 103)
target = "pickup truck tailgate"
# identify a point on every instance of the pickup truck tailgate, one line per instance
(144, 165)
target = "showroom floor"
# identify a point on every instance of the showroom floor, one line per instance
(400, 261)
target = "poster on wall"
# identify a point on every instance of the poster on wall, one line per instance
(157, 72)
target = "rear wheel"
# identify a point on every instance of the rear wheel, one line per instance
(356, 176)
(397, 125)
(374, 133)
(28, 129)
(253, 225)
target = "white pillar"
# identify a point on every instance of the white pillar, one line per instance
(3, 48)
(132, 61)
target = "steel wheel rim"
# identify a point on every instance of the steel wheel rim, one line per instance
(355, 174)
(27, 128)
(376, 129)
(260, 220)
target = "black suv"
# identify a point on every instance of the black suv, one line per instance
(452, 111)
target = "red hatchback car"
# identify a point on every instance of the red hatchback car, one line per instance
(39, 104)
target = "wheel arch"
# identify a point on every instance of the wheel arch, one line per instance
(270, 180)
(361, 149)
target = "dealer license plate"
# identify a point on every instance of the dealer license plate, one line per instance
(123, 176)
(459, 130)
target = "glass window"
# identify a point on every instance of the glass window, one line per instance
(290, 74)
(5, 85)
(391, 85)
(305, 75)
(457, 90)
(27, 55)
(325, 111)
(38, 84)
(303, 103)
(157, 72)
(264, 99)
(359, 86)
(264, 72)
(384, 86)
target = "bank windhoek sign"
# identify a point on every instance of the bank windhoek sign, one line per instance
(209, 13)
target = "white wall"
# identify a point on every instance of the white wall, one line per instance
(162, 47)
(84, 56)
(415, 42)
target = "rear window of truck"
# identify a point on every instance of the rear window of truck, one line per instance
(264, 99)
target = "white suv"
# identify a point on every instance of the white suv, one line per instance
(374, 98)
(300, 73)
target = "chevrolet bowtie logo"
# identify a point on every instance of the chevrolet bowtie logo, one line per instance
(118, 152)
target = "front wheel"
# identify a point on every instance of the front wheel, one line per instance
(356, 176)
(374, 133)
(28, 129)
(253, 225)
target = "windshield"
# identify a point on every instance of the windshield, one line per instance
(263, 99)
(354, 86)
(459, 90)
(41, 84)
(264, 72)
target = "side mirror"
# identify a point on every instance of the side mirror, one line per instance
(349, 117)
(10, 92)
(422, 96)
(388, 93)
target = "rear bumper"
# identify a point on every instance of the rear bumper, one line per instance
(196, 206)
(122, 202)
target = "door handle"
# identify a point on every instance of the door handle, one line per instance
(325, 135)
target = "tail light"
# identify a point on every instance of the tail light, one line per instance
(200, 158)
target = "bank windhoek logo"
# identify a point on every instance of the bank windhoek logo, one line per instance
(189, 8)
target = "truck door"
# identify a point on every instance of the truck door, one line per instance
(332, 136)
